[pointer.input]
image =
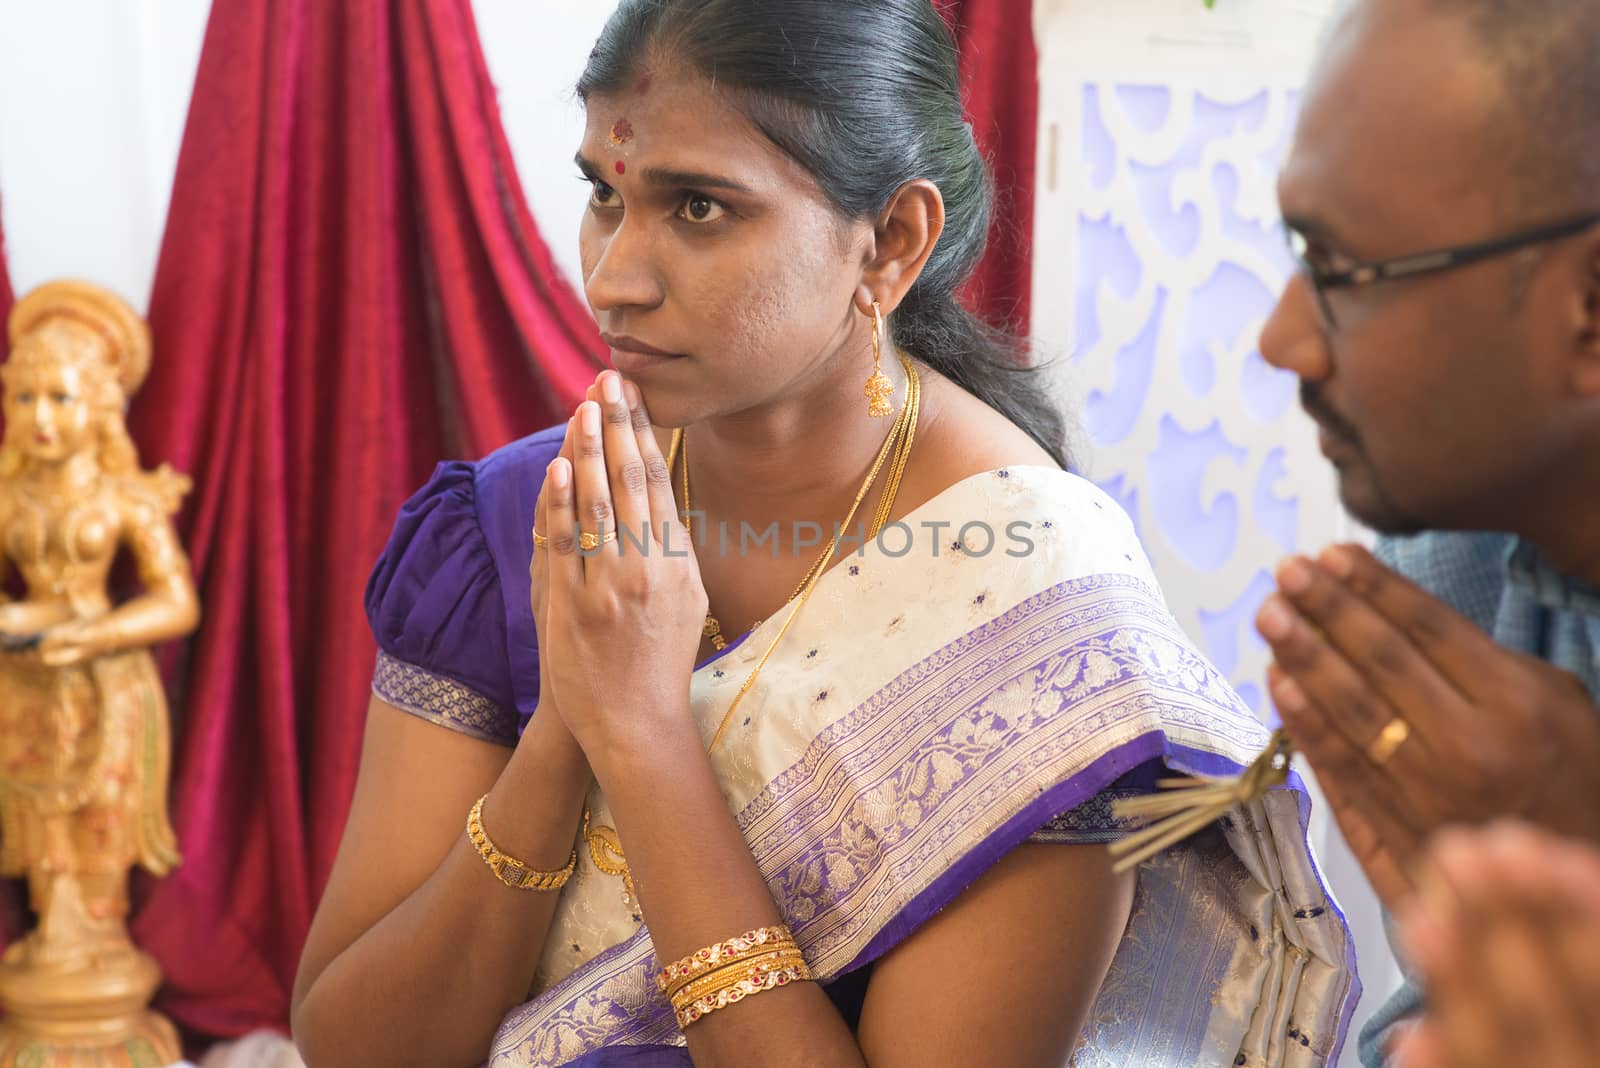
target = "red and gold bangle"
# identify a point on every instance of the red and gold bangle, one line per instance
(721, 955)
(760, 982)
(711, 982)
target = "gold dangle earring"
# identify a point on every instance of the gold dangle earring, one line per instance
(879, 388)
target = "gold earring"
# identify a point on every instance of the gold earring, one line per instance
(879, 388)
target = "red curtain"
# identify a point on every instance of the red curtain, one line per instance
(350, 288)
(1000, 74)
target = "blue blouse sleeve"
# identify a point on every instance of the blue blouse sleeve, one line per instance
(435, 606)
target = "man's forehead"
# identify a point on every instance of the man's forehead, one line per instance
(1399, 116)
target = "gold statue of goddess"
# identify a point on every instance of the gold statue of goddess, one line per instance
(83, 716)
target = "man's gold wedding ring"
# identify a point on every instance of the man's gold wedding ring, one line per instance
(1388, 741)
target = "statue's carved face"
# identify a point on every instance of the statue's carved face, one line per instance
(49, 412)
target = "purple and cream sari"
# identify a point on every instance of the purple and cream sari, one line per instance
(1001, 681)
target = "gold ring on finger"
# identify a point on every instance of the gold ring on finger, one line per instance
(540, 541)
(590, 542)
(1388, 741)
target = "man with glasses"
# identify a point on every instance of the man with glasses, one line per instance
(1443, 200)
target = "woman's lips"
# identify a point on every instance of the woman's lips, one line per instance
(630, 354)
(624, 343)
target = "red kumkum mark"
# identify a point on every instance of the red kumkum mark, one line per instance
(622, 168)
(643, 85)
(621, 132)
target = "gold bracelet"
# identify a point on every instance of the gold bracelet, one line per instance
(771, 951)
(730, 975)
(723, 953)
(744, 988)
(509, 870)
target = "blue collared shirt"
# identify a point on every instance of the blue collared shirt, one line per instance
(1504, 586)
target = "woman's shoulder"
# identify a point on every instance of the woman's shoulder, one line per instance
(522, 461)
(972, 456)
(454, 572)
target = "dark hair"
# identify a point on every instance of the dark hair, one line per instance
(866, 100)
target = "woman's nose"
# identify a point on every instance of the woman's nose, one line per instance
(623, 276)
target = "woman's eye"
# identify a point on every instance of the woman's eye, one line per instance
(700, 209)
(24, 398)
(603, 196)
(62, 398)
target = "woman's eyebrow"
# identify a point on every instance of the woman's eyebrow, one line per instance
(668, 177)
(665, 176)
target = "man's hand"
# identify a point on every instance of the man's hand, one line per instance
(1413, 717)
(1506, 932)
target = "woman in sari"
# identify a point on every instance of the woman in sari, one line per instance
(896, 779)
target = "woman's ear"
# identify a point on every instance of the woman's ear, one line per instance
(904, 236)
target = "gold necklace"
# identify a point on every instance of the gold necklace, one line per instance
(901, 436)
(605, 846)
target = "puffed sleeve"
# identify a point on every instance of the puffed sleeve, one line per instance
(436, 608)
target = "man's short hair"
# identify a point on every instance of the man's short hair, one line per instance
(1548, 54)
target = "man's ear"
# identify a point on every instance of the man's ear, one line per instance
(1586, 321)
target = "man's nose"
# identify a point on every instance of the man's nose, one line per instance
(1294, 338)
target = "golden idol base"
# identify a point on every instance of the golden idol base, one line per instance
(94, 1015)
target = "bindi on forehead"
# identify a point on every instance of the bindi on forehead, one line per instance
(643, 84)
(620, 137)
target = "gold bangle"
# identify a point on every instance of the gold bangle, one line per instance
(744, 988)
(509, 870)
(787, 953)
(723, 953)
(729, 976)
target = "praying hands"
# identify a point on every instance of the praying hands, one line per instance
(1506, 933)
(634, 587)
(1415, 719)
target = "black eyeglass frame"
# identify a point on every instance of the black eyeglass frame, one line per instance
(1420, 263)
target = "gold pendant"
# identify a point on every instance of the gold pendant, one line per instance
(713, 630)
(879, 391)
(605, 849)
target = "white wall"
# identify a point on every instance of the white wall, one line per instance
(536, 50)
(94, 94)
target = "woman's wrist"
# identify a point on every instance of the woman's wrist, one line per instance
(648, 739)
(534, 807)
(655, 765)
(548, 753)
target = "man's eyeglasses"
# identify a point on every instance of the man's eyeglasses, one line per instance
(1323, 280)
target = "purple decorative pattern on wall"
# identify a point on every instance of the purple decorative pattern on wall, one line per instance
(1179, 260)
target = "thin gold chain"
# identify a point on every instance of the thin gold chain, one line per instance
(895, 436)
(901, 437)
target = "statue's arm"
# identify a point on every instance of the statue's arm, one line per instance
(168, 607)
